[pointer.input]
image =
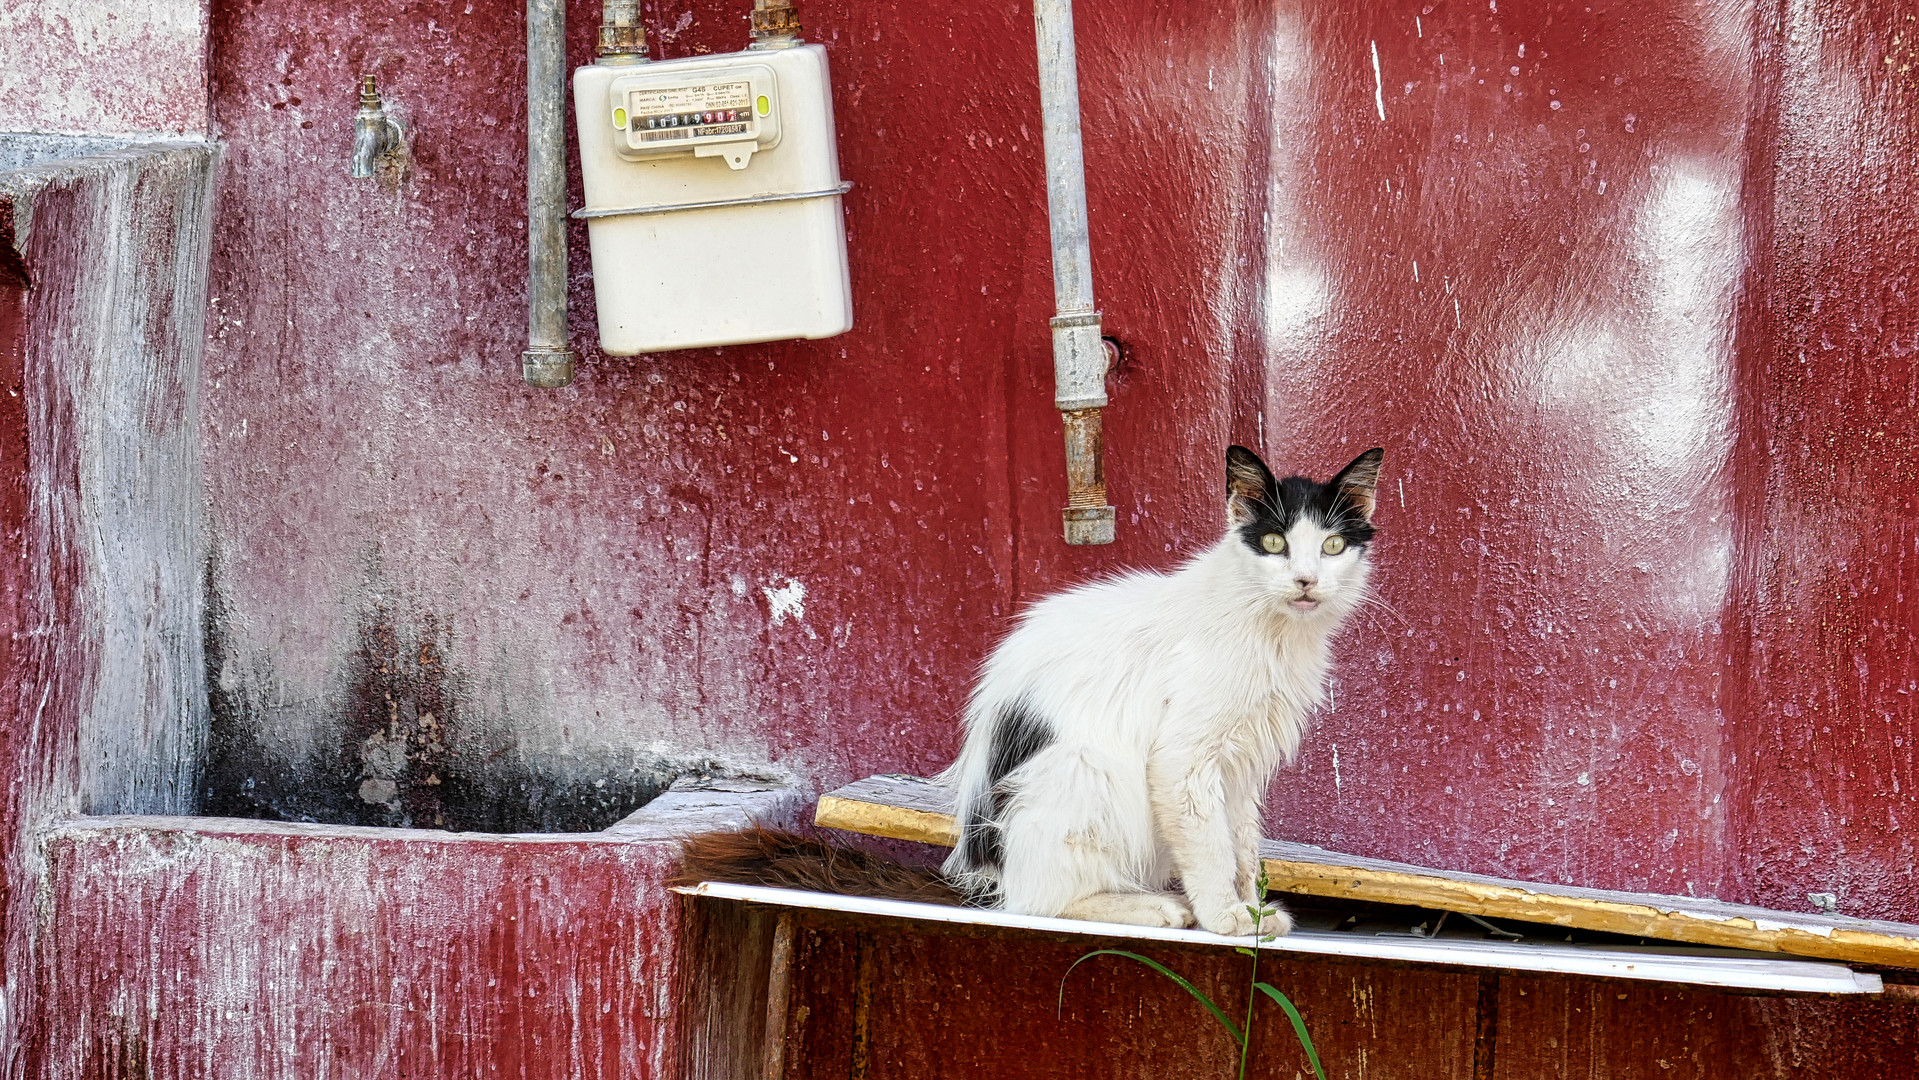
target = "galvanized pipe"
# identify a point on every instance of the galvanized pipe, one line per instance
(547, 361)
(1079, 356)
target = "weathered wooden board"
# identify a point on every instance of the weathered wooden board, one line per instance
(910, 808)
(900, 807)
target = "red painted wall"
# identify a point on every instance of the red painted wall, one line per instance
(1827, 790)
(16, 602)
(100, 330)
(1513, 259)
(1559, 262)
(1622, 291)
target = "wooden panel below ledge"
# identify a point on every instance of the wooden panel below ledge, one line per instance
(911, 808)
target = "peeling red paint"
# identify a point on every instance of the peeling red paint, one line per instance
(99, 440)
(16, 602)
(1536, 287)
(270, 952)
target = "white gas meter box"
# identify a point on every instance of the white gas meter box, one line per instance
(713, 200)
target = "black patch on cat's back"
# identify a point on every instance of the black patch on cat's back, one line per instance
(1018, 734)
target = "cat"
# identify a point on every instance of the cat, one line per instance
(1124, 733)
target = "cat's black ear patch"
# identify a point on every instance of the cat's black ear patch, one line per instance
(1249, 484)
(1358, 482)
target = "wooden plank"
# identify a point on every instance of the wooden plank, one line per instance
(900, 807)
(911, 808)
(779, 992)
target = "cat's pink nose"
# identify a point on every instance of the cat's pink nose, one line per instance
(1305, 582)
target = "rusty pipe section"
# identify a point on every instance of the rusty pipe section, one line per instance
(776, 24)
(622, 37)
(547, 361)
(1079, 356)
(1088, 519)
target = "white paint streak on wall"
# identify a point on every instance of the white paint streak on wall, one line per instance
(787, 600)
(115, 241)
(1379, 87)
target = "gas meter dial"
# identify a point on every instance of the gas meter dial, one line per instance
(731, 114)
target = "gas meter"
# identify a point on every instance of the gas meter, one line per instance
(713, 200)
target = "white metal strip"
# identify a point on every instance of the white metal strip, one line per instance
(841, 188)
(1732, 972)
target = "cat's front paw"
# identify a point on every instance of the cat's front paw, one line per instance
(1175, 912)
(1237, 921)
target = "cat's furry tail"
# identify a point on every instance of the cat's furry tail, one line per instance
(791, 860)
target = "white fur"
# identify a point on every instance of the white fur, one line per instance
(1173, 698)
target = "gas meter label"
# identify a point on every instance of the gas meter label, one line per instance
(671, 113)
(705, 114)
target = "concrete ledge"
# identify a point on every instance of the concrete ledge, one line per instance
(220, 946)
(713, 804)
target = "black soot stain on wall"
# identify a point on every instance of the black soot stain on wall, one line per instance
(405, 755)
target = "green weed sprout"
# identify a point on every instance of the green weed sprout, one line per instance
(1242, 1036)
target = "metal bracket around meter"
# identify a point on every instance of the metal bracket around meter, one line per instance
(730, 113)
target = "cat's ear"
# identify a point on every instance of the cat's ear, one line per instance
(1247, 482)
(1358, 481)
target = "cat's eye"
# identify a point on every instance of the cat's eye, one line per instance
(1333, 545)
(1273, 543)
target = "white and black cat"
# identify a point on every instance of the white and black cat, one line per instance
(1123, 735)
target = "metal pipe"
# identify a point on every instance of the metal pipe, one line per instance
(547, 361)
(1079, 356)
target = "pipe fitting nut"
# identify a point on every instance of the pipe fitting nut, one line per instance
(547, 367)
(1089, 527)
(622, 41)
(775, 23)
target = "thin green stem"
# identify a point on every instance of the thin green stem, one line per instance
(1243, 1036)
(1246, 1044)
